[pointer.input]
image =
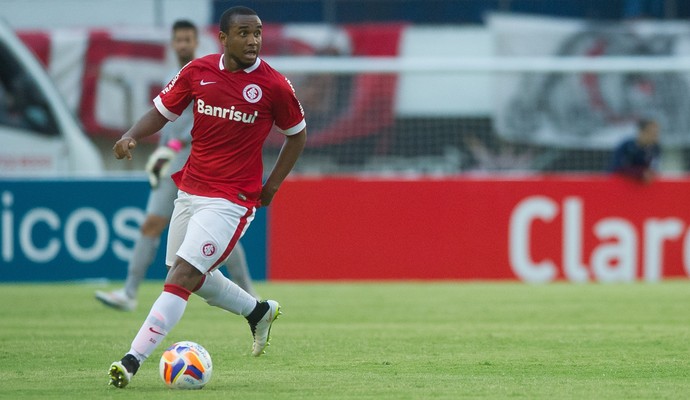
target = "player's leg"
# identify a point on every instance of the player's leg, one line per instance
(206, 242)
(158, 211)
(144, 252)
(217, 289)
(145, 249)
(165, 313)
(237, 267)
(167, 310)
(221, 292)
(170, 305)
(227, 222)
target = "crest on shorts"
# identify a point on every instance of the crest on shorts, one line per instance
(252, 93)
(208, 249)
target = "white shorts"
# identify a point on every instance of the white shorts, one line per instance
(204, 230)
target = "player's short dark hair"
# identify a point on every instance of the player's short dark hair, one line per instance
(184, 24)
(226, 18)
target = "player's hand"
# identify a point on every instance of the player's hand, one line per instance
(266, 197)
(123, 146)
(158, 164)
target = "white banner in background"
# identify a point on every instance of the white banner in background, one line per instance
(588, 110)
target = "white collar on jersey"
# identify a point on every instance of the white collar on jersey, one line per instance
(221, 64)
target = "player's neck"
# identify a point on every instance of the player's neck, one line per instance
(232, 65)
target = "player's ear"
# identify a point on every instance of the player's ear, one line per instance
(222, 37)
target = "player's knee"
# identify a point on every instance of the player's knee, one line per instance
(184, 274)
(153, 226)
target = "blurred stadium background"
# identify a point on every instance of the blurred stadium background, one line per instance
(438, 102)
(450, 140)
(438, 87)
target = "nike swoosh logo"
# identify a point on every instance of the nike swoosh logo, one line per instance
(205, 83)
(155, 331)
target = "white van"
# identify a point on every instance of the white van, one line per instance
(39, 135)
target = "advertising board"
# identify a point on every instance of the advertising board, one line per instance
(533, 229)
(63, 230)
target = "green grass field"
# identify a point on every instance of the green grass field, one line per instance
(369, 341)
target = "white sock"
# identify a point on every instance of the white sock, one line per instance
(164, 315)
(144, 252)
(221, 292)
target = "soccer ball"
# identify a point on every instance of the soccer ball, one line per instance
(186, 365)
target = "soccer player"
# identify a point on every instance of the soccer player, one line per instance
(170, 156)
(236, 98)
(638, 157)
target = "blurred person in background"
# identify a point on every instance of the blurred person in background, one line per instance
(173, 150)
(638, 157)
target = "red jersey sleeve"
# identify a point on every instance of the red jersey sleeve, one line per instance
(176, 95)
(287, 110)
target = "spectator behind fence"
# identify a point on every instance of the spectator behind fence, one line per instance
(638, 157)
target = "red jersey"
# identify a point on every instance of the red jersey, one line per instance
(233, 114)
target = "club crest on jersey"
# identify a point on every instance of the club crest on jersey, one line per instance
(208, 249)
(252, 93)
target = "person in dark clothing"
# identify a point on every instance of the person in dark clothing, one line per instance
(638, 157)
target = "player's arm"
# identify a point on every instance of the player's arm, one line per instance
(289, 153)
(150, 123)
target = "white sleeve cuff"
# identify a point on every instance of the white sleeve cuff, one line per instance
(295, 129)
(158, 103)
